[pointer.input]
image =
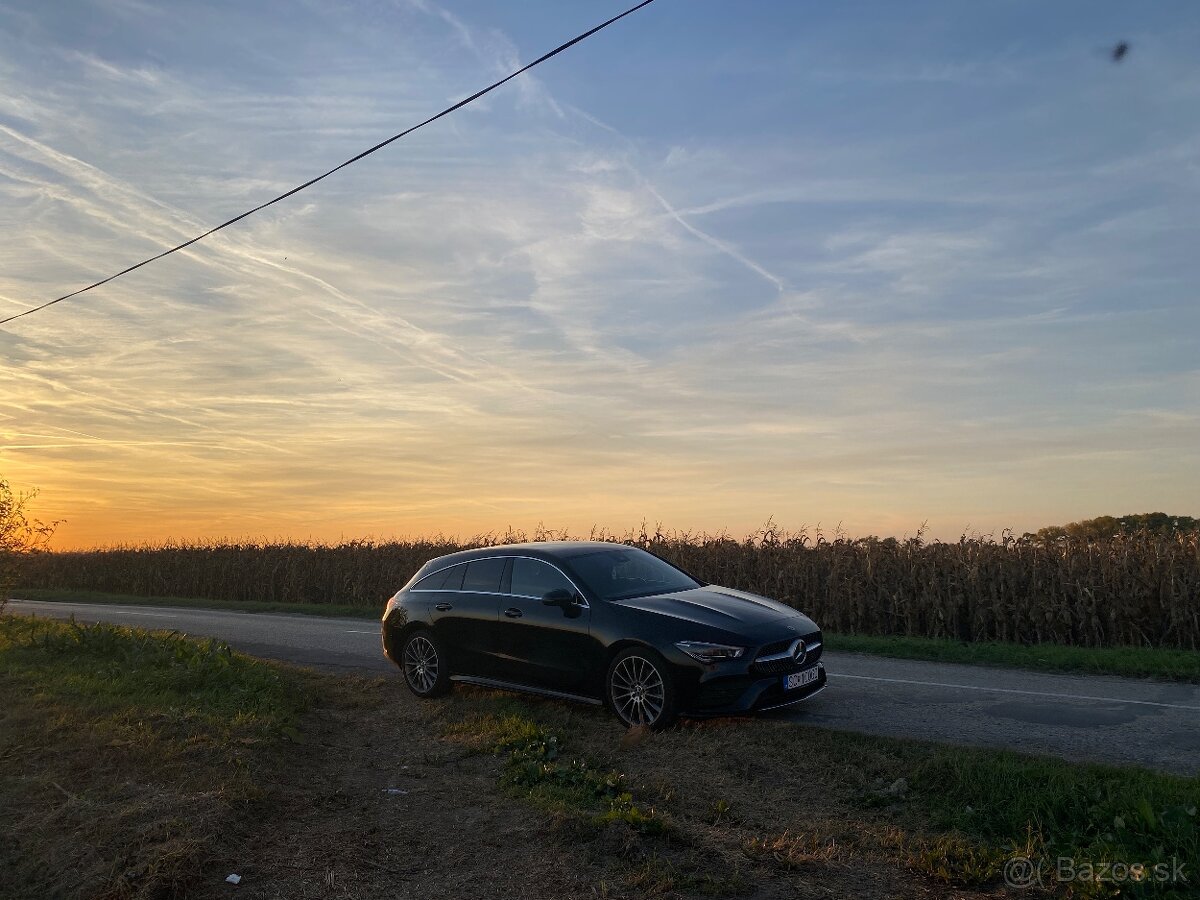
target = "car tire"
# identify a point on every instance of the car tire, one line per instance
(423, 663)
(639, 689)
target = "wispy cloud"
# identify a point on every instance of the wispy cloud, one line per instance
(573, 306)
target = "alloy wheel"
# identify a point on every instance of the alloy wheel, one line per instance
(637, 691)
(421, 664)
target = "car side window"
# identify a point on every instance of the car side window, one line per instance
(454, 578)
(483, 575)
(534, 578)
(432, 582)
(446, 580)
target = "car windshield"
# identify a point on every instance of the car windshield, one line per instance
(629, 572)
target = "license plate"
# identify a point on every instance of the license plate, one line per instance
(800, 679)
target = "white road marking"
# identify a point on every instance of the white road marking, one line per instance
(973, 687)
(375, 632)
(88, 608)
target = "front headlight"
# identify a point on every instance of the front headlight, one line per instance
(709, 653)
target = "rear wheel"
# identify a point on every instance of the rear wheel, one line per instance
(424, 664)
(639, 689)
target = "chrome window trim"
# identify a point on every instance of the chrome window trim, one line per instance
(460, 591)
(414, 590)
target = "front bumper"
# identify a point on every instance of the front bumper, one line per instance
(740, 694)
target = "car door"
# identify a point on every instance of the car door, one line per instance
(544, 646)
(464, 613)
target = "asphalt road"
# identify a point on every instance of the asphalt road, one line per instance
(1078, 717)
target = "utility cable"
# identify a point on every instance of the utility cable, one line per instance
(445, 112)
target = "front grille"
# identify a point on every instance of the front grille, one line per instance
(814, 650)
(776, 647)
(785, 664)
(775, 667)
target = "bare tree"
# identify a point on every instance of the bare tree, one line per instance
(20, 535)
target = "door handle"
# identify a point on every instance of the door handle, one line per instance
(513, 613)
(443, 607)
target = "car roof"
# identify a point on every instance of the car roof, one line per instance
(538, 549)
(564, 548)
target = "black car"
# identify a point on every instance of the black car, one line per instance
(599, 623)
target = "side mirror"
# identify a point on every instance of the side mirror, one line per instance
(559, 597)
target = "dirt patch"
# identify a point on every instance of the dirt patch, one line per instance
(374, 803)
(388, 796)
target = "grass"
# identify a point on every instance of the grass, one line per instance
(1052, 809)
(1131, 662)
(308, 609)
(147, 743)
(539, 769)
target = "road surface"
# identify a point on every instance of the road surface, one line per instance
(1078, 717)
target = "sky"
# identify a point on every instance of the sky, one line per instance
(855, 265)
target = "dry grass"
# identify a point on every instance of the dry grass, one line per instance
(760, 807)
(1137, 590)
(126, 756)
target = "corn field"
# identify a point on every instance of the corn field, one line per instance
(1138, 589)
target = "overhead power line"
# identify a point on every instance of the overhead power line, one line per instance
(445, 112)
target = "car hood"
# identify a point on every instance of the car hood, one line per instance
(717, 607)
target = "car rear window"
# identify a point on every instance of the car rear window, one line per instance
(446, 580)
(454, 578)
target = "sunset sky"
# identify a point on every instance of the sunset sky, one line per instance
(863, 263)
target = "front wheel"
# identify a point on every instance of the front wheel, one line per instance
(639, 689)
(424, 664)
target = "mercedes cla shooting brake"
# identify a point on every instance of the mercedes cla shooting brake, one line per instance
(599, 623)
